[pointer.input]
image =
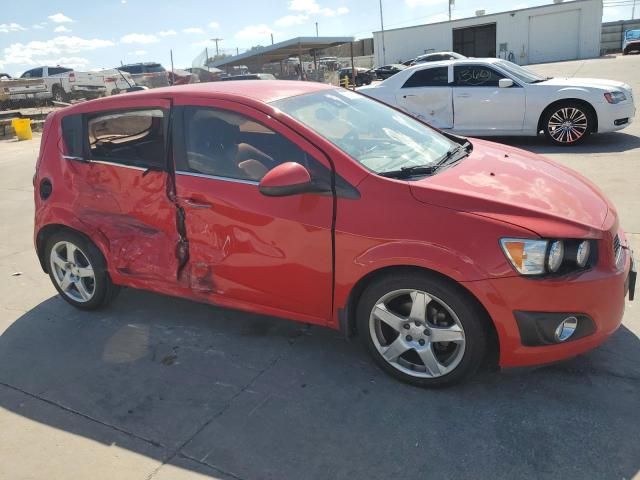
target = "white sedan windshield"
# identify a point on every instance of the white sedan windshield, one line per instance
(380, 138)
(520, 73)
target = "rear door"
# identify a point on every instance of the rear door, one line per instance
(247, 249)
(427, 95)
(117, 159)
(480, 105)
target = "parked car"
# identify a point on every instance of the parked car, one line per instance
(320, 205)
(14, 90)
(249, 76)
(117, 81)
(495, 97)
(64, 84)
(149, 74)
(407, 63)
(363, 76)
(386, 71)
(631, 42)
(437, 57)
(182, 77)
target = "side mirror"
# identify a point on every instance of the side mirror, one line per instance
(505, 83)
(287, 179)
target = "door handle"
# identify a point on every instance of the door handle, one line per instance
(407, 96)
(463, 95)
(195, 204)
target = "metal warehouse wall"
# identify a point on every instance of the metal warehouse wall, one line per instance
(612, 34)
(513, 28)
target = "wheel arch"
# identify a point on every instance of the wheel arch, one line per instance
(347, 314)
(45, 233)
(556, 103)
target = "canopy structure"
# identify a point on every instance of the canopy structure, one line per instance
(281, 51)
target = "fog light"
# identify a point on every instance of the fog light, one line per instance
(566, 328)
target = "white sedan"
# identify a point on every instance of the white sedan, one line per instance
(488, 96)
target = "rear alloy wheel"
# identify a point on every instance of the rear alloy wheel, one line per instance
(78, 271)
(422, 330)
(567, 124)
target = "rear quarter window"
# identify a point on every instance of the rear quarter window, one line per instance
(428, 77)
(134, 137)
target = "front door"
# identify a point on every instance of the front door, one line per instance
(117, 160)
(247, 250)
(427, 95)
(481, 106)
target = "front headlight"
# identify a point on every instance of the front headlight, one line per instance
(615, 97)
(527, 256)
(539, 257)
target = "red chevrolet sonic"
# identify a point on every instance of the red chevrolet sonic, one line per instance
(320, 205)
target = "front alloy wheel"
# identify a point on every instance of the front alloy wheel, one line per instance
(422, 329)
(567, 124)
(417, 333)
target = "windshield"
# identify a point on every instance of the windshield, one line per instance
(633, 35)
(522, 74)
(378, 137)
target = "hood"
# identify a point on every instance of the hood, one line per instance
(586, 83)
(520, 188)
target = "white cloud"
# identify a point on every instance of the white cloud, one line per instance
(59, 18)
(37, 26)
(11, 27)
(424, 3)
(306, 8)
(61, 29)
(255, 32)
(214, 25)
(192, 30)
(290, 20)
(138, 53)
(167, 33)
(142, 38)
(33, 52)
(69, 62)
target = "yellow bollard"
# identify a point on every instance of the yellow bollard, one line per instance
(22, 127)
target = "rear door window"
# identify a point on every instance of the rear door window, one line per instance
(130, 137)
(72, 135)
(429, 77)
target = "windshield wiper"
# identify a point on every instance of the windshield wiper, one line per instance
(452, 155)
(406, 172)
(455, 154)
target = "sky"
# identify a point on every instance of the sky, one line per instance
(88, 35)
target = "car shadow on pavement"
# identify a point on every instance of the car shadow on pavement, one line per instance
(237, 395)
(616, 142)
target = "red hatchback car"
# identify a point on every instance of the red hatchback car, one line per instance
(323, 206)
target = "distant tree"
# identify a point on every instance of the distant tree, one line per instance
(256, 47)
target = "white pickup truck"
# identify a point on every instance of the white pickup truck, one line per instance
(13, 90)
(64, 84)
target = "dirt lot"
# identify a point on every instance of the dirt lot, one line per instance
(162, 388)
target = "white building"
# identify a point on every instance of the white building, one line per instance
(560, 31)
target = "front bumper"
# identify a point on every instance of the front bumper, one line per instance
(598, 294)
(610, 116)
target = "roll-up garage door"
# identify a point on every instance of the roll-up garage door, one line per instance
(554, 37)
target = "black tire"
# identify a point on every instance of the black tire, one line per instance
(58, 94)
(104, 291)
(578, 118)
(470, 317)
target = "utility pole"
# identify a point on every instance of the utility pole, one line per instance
(384, 50)
(318, 35)
(217, 40)
(633, 10)
(450, 9)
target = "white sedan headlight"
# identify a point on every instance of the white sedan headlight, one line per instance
(615, 97)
